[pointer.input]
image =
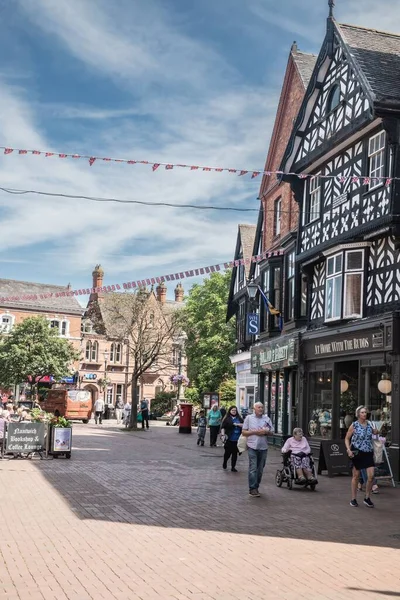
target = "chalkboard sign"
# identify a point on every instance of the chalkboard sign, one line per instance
(24, 438)
(333, 458)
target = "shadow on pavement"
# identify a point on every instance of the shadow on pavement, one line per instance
(380, 592)
(161, 478)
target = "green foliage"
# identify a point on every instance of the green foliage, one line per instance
(210, 339)
(192, 395)
(61, 422)
(163, 402)
(33, 349)
(227, 393)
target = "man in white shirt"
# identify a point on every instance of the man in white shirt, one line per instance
(256, 428)
(98, 410)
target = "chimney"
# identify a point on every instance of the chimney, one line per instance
(179, 293)
(161, 293)
(98, 275)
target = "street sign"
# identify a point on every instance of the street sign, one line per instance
(253, 324)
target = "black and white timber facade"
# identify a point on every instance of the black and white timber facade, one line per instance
(346, 139)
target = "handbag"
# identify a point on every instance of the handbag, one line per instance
(377, 446)
(242, 444)
(139, 417)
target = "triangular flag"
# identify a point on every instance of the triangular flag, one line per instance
(8, 150)
(255, 174)
(155, 166)
(91, 160)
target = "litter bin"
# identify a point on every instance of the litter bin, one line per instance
(185, 418)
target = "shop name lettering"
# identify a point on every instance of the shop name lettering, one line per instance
(344, 346)
(274, 355)
(22, 438)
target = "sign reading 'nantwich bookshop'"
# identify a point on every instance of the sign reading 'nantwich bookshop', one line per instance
(333, 458)
(25, 437)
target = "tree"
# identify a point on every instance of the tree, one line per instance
(33, 351)
(139, 321)
(211, 340)
(227, 392)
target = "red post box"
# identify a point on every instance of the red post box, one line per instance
(185, 418)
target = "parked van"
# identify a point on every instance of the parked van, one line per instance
(75, 405)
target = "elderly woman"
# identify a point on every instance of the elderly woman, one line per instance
(300, 459)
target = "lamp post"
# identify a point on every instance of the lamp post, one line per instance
(180, 343)
(105, 354)
(252, 289)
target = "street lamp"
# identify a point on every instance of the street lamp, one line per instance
(252, 289)
(105, 354)
(180, 343)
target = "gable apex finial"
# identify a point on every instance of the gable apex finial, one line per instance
(331, 4)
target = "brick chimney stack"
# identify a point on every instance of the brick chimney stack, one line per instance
(179, 293)
(161, 293)
(98, 275)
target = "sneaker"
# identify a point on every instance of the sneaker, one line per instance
(375, 489)
(368, 502)
(224, 466)
(254, 493)
(234, 470)
(354, 503)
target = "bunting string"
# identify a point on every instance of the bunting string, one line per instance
(143, 283)
(253, 173)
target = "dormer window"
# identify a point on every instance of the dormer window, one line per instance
(333, 98)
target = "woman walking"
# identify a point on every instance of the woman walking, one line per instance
(214, 422)
(231, 427)
(359, 448)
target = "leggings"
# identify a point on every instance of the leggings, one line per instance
(231, 449)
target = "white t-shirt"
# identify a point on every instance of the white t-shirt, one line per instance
(99, 405)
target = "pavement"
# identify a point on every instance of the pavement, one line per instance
(151, 516)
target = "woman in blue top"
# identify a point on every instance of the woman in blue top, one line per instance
(359, 448)
(231, 428)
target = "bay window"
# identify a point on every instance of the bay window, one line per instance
(344, 285)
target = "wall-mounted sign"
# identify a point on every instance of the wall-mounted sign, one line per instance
(90, 376)
(350, 343)
(253, 324)
(275, 354)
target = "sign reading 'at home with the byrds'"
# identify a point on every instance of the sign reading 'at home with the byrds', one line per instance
(344, 344)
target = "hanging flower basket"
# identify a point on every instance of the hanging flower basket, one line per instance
(179, 379)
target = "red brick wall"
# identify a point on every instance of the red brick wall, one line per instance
(289, 105)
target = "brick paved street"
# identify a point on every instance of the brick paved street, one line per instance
(149, 515)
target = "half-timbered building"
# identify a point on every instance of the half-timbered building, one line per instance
(344, 150)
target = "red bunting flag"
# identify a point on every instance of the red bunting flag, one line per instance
(131, 162)
(22, 151)
(243, 173)
(49, 154)
(36, 152)
(217, 268)
(107, 159)
(8, 150)
(91, 160)
(62, 156)
(155, 166)
(207, 169)
(232, 170)
(193, 168)
(388, 181)
(168, 167)
(207, 269)
(355, 179)
(367, 180)
(196, 272)
(75, 156)
(255, 174)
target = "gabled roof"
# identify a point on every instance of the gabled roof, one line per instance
(305, 64)
(244, 249)
(53, 303)
(378, 55)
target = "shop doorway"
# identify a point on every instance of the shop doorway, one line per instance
(349, 386)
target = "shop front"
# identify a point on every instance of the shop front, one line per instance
(275, 362)
(351, 366)
(246, 382)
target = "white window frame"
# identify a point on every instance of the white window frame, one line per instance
(290, 281)
(277, 216)
(314, 199)
(116, 353)
(8, 328)
(88, 351)
(343, 275)
(94, 352)
(376, 159)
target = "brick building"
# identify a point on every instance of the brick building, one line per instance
(105, 368)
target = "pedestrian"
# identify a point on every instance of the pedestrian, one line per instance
(119, 407)
(256, 428)
(214, 423)
(98, 410)
(300, 456)
(127, 413)
(144, 409)
(359, 448)
(201, 428)
(231, 428)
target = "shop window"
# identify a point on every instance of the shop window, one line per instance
(344, 285)
(376, 158)
(290, 285)
(320, 405)
(380, 400)
(277, 216)
(312, 206)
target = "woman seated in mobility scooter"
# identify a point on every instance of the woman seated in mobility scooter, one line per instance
(297, 461)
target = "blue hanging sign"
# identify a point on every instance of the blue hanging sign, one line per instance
(253, 324)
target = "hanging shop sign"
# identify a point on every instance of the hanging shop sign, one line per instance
(346, 343)
(275, 354)
(253, 324)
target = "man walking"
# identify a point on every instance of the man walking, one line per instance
(119, 407)
(98, 410)
(144, 409)
(256, 428)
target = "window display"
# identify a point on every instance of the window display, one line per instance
(320, 408)
(380, 404)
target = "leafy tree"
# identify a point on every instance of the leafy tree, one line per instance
(211, 340)
(138, 321)
(163, 402)
(227, 392)
(33, 351)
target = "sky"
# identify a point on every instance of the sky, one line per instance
(159, 80)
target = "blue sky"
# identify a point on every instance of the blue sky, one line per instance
(171, 81)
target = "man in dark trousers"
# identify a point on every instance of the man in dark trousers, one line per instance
(144, 409)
